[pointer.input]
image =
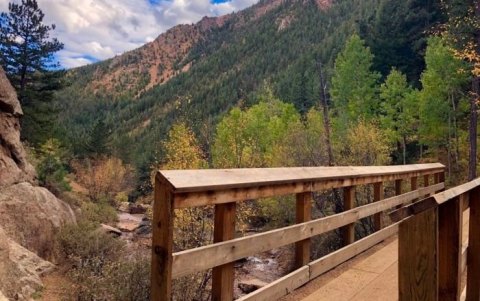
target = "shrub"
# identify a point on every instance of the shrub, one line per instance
(88, 246)
(99, 213)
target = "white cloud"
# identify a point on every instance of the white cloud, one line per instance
(100, 29)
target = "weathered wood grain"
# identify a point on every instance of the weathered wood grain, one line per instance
(377, 196)
(303, 214)
(417, 257)
(162, 242)
(450, 223)
(473, 251)
(348, 231)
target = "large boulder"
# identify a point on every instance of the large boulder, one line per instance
(20, 270)
(32, 216)
(14, 167)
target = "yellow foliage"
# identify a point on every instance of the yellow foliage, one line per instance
(103, 178)
(182, 150)
(364, 145)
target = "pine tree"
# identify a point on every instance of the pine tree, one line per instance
(27, 55)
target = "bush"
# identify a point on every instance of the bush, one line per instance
(86, 245)
(127, 279)
(99, 213)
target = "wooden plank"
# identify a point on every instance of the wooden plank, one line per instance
(414, 184)
(450, 249)
(457, 191)
(464, 258)
(223, 230)
(217, 179)
(330, 261)
(398, 189)
(417, 257)
(280, 287)
(303, 214)
(212, 197)
(162, 242)
(473, 253)
(209, 256)
(378, 195)
(348, 231)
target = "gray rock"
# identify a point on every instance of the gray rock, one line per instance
(248, 286)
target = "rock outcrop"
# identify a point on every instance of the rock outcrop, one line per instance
(30, 215)
(14, 167)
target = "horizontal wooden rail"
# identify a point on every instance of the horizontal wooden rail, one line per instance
(209, 187)
(223, 188)
(199, 259)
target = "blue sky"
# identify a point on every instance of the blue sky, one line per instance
(95, 30)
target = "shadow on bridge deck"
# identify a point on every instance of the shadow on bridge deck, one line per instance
(372, 276)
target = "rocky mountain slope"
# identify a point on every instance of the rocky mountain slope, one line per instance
(29, 215)
(196, 73)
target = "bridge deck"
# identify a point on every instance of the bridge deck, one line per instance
(370, 276)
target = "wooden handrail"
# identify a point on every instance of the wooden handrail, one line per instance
(223, 188)
(432, 257)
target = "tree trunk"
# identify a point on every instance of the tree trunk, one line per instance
(326, 117)
(472, 132)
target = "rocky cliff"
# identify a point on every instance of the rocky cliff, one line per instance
(29, 215)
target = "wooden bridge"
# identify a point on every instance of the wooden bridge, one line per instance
(428, 262)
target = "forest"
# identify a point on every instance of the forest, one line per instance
(362, 82)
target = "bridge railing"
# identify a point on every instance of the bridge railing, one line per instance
(224, 188)
(433, 260)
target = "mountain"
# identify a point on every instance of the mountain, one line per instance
(197, 72)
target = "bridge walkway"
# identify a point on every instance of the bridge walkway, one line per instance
(371, 276)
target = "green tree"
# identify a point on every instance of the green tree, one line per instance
(398, 35)
(442, 99)
(51, 166)
(398, 106)
(250, 138)
(462, 31)
(354, 84)
(27, 55)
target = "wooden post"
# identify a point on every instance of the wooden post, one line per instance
(425, 181)
(450, 249)
(398, 189)
(162, 243)
(303, 214)
(348, 203)
(473, 255)
(413, 186)
(224, 229)
(417, 257)
(378, 196)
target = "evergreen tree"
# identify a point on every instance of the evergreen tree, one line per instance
(354, 84)
(27, 55)
(98, 142)
(398, 35)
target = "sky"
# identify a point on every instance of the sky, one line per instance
(94, 30)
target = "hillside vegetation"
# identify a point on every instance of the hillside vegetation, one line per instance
(221, 63)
